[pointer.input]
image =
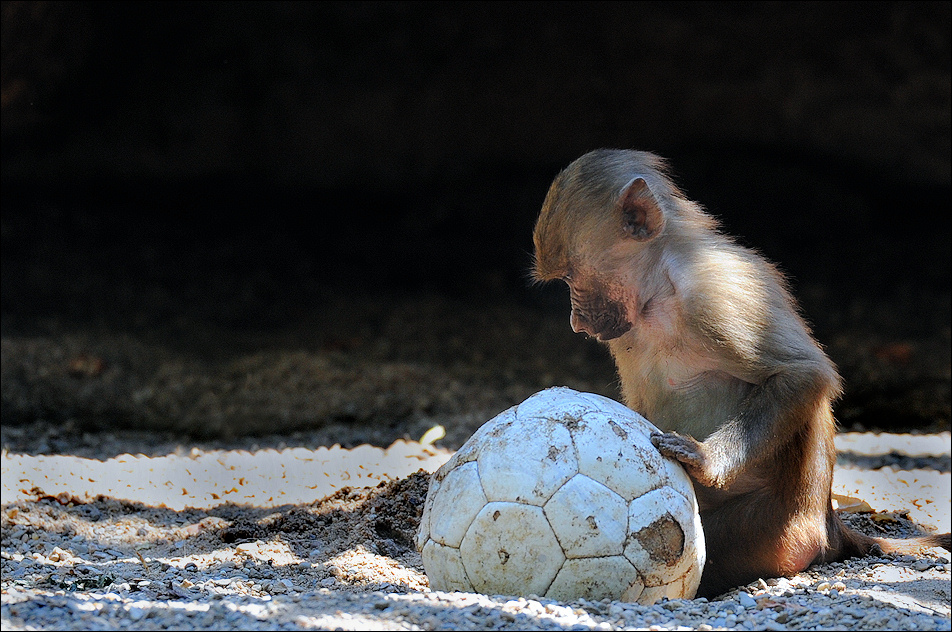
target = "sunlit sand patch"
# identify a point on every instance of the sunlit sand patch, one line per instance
(264, 478)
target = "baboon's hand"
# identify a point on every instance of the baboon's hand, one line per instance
(689, 452)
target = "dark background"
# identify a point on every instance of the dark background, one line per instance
(205, 202)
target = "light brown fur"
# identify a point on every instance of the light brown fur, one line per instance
(710, 347)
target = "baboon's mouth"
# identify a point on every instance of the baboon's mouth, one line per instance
(613, 332)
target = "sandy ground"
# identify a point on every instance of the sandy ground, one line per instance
(202, 479)
(325, 535)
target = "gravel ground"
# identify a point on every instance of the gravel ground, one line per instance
(86, 544)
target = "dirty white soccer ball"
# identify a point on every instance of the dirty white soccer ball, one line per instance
(563, 496)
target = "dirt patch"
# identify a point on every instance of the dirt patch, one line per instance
(383, 518)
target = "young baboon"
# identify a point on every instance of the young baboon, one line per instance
(710, 347)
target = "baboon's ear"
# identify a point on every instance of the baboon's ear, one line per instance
(641, 215)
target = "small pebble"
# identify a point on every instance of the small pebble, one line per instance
(136, 613)
(746, 600)
(247, 548)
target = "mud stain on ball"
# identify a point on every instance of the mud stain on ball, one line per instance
(618, 430)
(663, 539)
(572, 422)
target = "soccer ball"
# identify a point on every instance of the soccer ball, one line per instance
(563, 496)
